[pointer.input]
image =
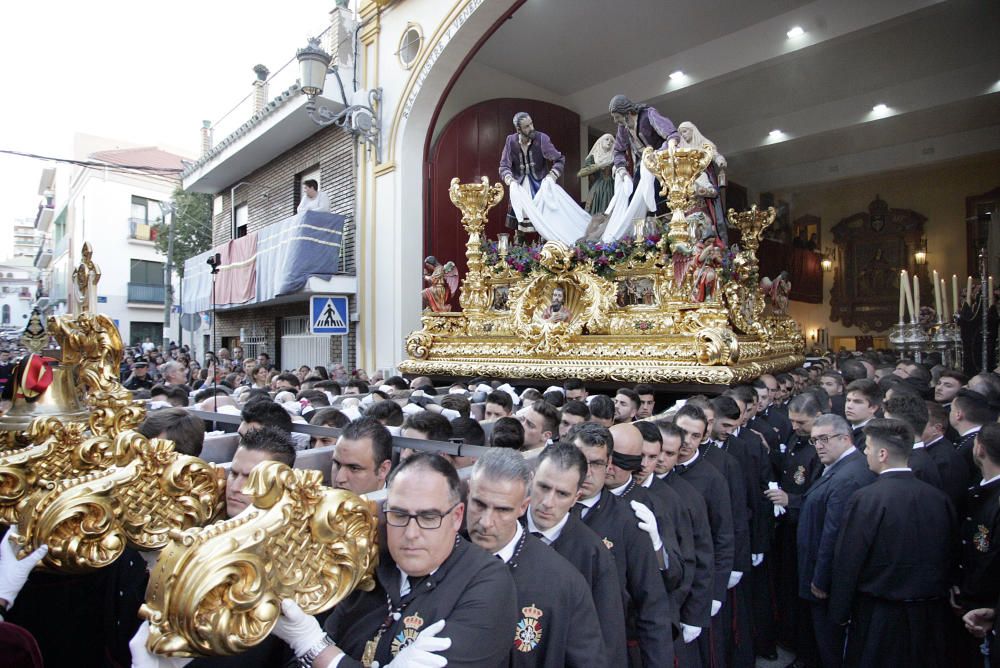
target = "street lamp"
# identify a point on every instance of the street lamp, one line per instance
(362, 121)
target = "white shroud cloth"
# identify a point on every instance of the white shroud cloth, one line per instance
(622, 211)
(553, 213)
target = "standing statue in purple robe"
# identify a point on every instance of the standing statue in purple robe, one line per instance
(528, 157)
(639, 126)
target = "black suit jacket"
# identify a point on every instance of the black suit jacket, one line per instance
(471, 590)
(979, 566)
(895, 544)
(581, 547)
(696, 606)
(567, 632)
(953, 469)
(823, 507)
(704, 477)
(964, 448)
(731, 470)
(646, 602)
(670, 503)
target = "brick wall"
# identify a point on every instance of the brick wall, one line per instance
(330, 149)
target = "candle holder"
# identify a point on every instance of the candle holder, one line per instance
(915, 341)
(503, 244)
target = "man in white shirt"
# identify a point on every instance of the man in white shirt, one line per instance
(312, 198)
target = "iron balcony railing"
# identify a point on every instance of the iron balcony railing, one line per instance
(145, 293)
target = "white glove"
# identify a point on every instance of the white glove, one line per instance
(716, 606)
(300, 631)
(421, 652)
(150, 557)
(757, 559)
(734, 579)
(143, 658)
(620, 171)
(14, 572)
(690, 632)
(647, 522)
(507, 179)
(553, 176)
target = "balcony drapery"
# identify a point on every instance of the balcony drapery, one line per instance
(276, 260)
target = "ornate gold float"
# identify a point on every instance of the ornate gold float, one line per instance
(218, 590)
(657, 307)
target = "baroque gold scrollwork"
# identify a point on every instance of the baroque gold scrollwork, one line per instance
(86, 521)
(216, 590)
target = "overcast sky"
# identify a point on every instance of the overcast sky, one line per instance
(146, 73)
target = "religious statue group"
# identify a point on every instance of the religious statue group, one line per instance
(621, 191)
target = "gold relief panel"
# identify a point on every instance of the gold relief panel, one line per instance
(217, 590)
(149, 491)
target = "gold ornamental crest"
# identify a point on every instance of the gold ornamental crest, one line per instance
(217, 590)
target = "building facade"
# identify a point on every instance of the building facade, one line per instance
(734, 72)
(120, 211)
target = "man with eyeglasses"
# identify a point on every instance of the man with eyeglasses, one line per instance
(436, 596)
(845, 471)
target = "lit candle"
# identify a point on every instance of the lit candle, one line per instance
(968, 292)
(916, 299)
(909, 294)
(990, 288)
(954, 293)
(945, 313)
(937, 296)
(902, 296)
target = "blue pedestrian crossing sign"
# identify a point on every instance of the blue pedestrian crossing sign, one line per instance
(328, 314)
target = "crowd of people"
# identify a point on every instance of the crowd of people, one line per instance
(846, 511)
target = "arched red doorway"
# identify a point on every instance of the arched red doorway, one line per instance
(469, 147)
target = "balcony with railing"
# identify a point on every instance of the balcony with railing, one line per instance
(141, 229)
(145, 293)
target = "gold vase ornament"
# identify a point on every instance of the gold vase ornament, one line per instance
(677, 169)
(217, 590)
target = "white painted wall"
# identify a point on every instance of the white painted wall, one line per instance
(100, 205)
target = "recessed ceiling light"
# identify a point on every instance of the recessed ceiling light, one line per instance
(674, 76)
(880, 108)
(774, 134)
(796, 31)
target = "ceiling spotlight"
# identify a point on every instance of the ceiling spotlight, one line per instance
(880, 108)
(674, 76)
(775, 134)
(796, 31)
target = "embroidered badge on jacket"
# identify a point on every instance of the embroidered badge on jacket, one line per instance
(411, 627)
(982, 538)
(528, 633)
(607, 543)
(800, 475)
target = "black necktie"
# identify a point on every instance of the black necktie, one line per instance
(538, 534)
(680, 468)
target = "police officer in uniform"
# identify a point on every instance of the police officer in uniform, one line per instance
(978, 583)
(798, 468)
